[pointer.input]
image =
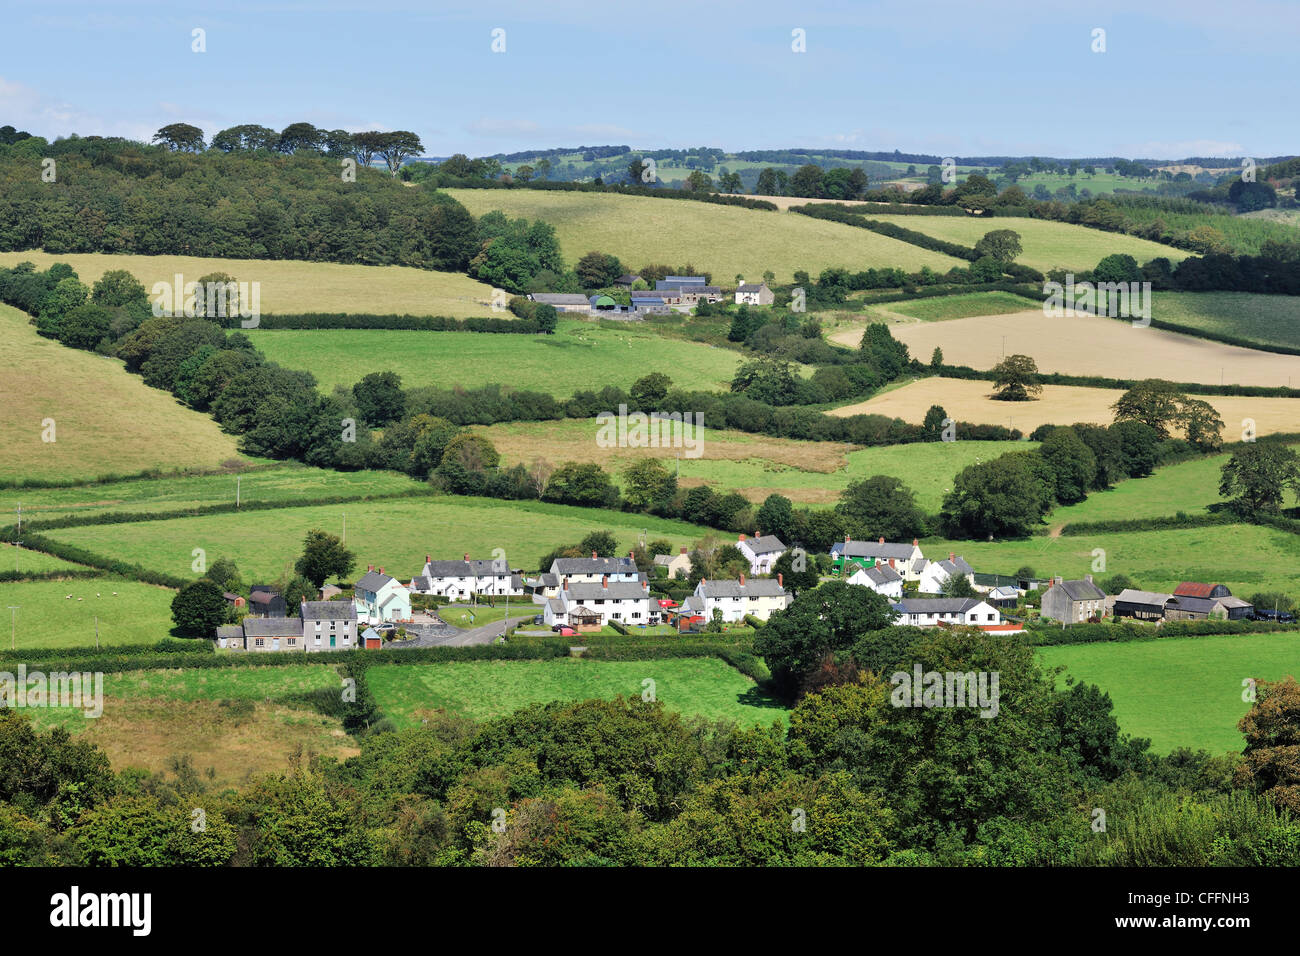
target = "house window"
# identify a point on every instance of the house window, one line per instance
(259, 642)
(293, 641)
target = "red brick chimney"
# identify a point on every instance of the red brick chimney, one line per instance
(683, 550)
(742, 579)
(645, 586)
(604, 580)
(780, 579)
(914, 542)
(381, 569)
(882, 539)
(951, 556)
(742, 537)
(370, 567)
(632, 555)
(467, 557)
(427, 559)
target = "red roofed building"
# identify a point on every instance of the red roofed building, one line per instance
(1198, 590)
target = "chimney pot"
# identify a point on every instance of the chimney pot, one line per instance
(604, 580)
(381, 569)
(370, 567)
(882, 539)
(467, 557)
(914, 542)
(780, 579)
(742, 579)
(427, 559)
(742, 537)
(594, 555)
(683, 550)
(951, 556)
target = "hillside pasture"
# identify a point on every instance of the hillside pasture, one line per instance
(104, 420)
(286, 483)
(1180, 692)
(579, 355)
(1047, 244)
(129, 612)
(806, 472)
(972, 401)
(240, 722)
(293, 286)
(722, 240)
(1090, 345)
(395, 534)
(1266, 319)
(693, 686)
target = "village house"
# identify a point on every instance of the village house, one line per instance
(674, 564)
(881, 578)
(330, 625)
(584, 604)
(937, 574)
(586, 570)
(761, 552)
(757, 597)
(381, 599)
(1003, 596)
(563, 301)
(457, 580)
(906, 559)
(749, 294)
(931, 612)
(1073, 601)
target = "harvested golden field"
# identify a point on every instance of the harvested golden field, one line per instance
(723, 240)
(105, 420)
(293, 286)
(971, 401)
(1090, 345)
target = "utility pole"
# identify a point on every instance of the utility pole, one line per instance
(18, 538)
(13, 625)
(96, 632)
(345, 528)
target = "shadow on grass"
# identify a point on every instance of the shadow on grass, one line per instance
(758, 697)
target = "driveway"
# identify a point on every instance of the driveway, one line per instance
(437, 633)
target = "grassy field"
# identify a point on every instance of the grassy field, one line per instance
(1243, 235)
(1268, 319)
(1090, 345)
(1189, 486)
(1047, 244)
(696, 686)
(287, 482)
(289, 286)
(580, 355)
(806, 472)
(105, 420)
(394, 534)
(723, 240)
(467, 616)
(941, 307)
(969, 400)
(15, 558)
(129, 612)
(237, 721)
(1181, 692)
(1247, 558)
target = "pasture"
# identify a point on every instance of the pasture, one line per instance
(693, 686)
(1047, 244)
(239, 722)
(1180, 692)
(1090, 345)
(293, 286)
(284, 482)
(74, 414)
(941, 307)
(129, 612)
(806, 472)
(580, 355)
(722, 240)
(1267, 319)
(971, 401)
(394, 534)
(1247, 558)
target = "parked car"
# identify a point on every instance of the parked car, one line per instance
(564, 630)
(538, 619)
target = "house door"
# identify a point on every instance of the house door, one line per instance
(331, 640)
(275, 643)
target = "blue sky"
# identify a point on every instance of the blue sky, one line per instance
(1013, 77)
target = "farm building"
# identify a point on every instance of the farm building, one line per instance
(1197, 590)
(1141, 605)
(563, 301)
(1225, 608)
(1002, 596)
(627, 280)
(1073, 601)
(265, 601)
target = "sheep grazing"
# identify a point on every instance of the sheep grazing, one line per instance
(68, 597)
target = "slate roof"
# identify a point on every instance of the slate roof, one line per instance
(873, 549)
(560, 298)
(475, 567)
(230, 630)
(957, 566)
(1082, 590)
(750, 287)
(329, 611)
(767, 544)
(880, 574)
(1207, 604)
(272, 627)
(937, 605)
(373, 581)
(626, 279)
(1004, 593)
(562, 566)
(1134, 596)
(617, 591)
(757, 587)
(682, 280)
